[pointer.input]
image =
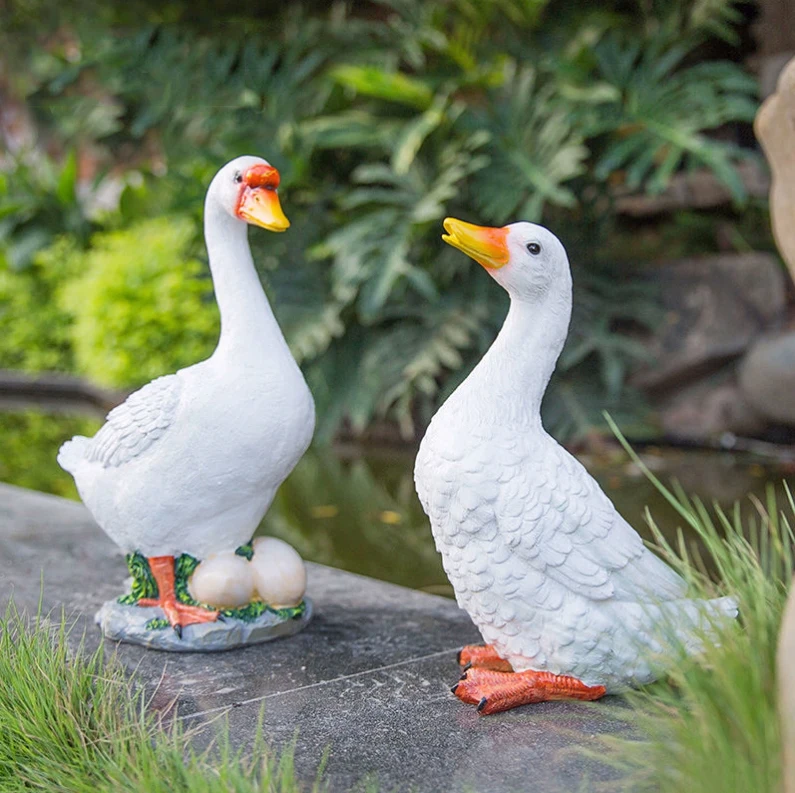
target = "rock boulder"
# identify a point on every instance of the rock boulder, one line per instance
(767, 378)
(716, 306)
(709, 408)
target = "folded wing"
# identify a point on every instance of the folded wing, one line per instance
(136, 424)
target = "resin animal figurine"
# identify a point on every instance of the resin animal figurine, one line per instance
(562, 588)
(185, 469)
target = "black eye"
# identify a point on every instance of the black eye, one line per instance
(238, 177)
(534, 248)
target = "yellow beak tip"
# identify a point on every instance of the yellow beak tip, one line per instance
(485, 245)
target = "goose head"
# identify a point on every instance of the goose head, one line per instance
(246, 188)
(527, 260)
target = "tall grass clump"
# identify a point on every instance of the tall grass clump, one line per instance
(712, 726)
(73, 721)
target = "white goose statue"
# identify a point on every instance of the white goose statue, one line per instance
(190, 463)
(565, 594)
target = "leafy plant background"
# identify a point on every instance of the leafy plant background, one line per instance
(383, 118)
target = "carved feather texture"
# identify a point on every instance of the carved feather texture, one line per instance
(538, 555)
(555, 579)
(132, 427)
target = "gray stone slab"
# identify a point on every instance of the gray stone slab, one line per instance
(367, 681)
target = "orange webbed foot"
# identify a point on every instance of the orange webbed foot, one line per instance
(494, 692)
(181, 614)
(178, 614)
(476, 681)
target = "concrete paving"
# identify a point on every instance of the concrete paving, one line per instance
(367, 681)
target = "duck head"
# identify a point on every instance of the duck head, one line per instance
(527, 260)
(246, 188)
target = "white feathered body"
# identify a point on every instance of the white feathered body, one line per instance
(191, 462)
(538, 556)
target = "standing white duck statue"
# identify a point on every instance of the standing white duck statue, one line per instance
(568, 599)
(187, 467)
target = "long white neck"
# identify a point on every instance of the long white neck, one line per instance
(510, 381)
(248, 327)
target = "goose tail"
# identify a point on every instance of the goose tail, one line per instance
(726, 607)
(696, 620)
(72, 453)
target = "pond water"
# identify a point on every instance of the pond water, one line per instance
(356, 509)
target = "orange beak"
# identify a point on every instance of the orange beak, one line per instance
(487, 246)
(258, 202)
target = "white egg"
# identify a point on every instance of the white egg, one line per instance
(223, 580)
(279, 572)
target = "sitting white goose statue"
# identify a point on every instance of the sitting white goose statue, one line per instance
(564, 592)
(190, 463)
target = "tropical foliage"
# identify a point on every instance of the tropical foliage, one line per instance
(384, 117)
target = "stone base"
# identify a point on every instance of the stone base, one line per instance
(129, 624)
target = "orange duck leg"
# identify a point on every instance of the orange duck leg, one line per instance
(178, 614)
(482, 656)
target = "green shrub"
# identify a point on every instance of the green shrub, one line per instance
(38, 202)
(143, 306)
(30, 443)
(34, 329)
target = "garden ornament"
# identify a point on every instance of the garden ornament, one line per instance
(182, 473)
(563, 590)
